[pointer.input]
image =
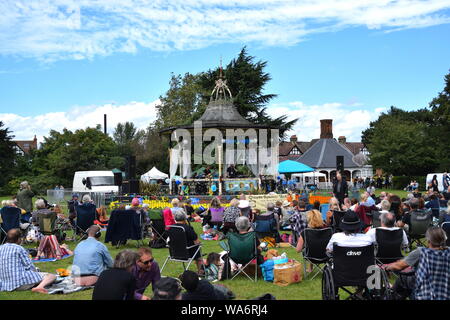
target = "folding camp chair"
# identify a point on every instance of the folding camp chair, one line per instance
(242, 250)
(11, 219)
(123, 225)
(158, 228)
(389, 245)
(86, 215)
(420, 222)
(446, 227)
(179, 251)
(315, 243)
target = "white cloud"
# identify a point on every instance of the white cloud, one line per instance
(348, 120)
(69, 29)
(80, 117)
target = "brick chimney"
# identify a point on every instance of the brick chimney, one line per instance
(342, 139)
(294, 139)
(326, 129)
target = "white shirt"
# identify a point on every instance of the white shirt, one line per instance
(372, 233)
(351, 240)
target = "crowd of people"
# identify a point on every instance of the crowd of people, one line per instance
(131, 272)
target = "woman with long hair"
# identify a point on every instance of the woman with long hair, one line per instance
(333, 205)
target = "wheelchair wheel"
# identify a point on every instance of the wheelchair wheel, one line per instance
(328, 290)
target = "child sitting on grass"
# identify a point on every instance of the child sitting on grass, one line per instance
(212, 266)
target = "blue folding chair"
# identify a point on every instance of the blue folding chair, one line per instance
(11, 220)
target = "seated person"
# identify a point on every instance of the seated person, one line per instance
(191, 237)
(388, 223)
(188, 209)
(91, 257)
(266, 224)
(351, 235)
(168, 217)
(145, 271)
(41, 209)
(406, 218)
(429, 283)
(314, 221)
(243, 226)
(212, 266)
(167, 289)
(17, 271)
(49, 248)
(332, 206)
(118, 283)
(102, 218)
(198, 289)
(230, 215)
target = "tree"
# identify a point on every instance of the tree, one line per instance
(7, 155)
(440, 109)
(401, 147)
(128, 138)
(188, 96)
(62, 154)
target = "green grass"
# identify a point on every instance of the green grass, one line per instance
(241, 286)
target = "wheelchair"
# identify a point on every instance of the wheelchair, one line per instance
(351, 267)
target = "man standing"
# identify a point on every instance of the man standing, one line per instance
(231, 171)
(25, 200)
(340, 188)
(146, 271)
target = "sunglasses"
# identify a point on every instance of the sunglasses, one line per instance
(146, 262)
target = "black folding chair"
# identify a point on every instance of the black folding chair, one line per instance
(86, 215)
(11, 220)
(179, 251)
(389, 245)
(446, 227)
(158, 229)
(123, 225)
(337, 218)
(352, 267)
(315, 243)
(420, 222)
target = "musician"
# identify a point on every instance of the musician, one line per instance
(231, 171)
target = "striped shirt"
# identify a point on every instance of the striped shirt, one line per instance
(16, 268)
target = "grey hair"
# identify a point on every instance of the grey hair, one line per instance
(9, 203)
(126, 259)
(437, 237)
(387, 219)
(234, 202)
(40, 204)
(86, 198)
(3, 203)
(145, 205)
(385, 205)
(24, 185)
(242, 223)
(180, 215)
(270, 206)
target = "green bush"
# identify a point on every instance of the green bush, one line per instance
(400, 182)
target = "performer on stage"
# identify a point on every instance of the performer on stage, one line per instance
(231, 171)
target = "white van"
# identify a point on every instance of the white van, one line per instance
(94, 181)
(439, 179)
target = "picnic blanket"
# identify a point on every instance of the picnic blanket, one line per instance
(53, 259)
(65, 285)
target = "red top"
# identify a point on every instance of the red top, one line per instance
(168, 218)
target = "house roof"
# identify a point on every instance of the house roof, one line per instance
(322, 154)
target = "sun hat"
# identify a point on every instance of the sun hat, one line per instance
(351, 221)
(244, 204)
(286, 203)
(135, 202)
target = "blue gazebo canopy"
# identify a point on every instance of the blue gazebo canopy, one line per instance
(290, 166)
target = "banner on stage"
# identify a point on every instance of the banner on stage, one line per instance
(260, 201)
(241, 185)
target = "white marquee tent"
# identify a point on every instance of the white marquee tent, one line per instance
(154, 174)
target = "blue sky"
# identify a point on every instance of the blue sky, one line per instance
(65, 63)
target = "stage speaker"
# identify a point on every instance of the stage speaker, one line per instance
(118, 178)
(134, 186)
(130, 167)
(340, 163)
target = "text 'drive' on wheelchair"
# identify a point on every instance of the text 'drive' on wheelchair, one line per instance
(354, 270)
